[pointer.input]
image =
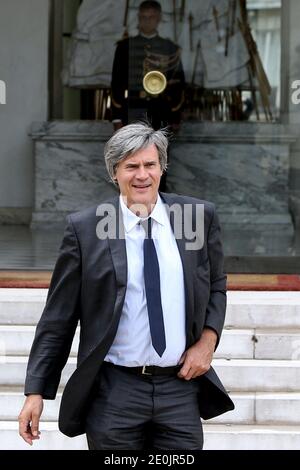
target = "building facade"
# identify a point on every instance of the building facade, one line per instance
(53, 130)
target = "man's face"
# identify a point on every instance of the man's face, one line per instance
(138, 177)
(148, 20)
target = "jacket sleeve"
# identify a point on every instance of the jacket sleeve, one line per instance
(216, 308)
(56, 328)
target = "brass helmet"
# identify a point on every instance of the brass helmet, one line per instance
(154, 82)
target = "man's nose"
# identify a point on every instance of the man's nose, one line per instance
(142, 173)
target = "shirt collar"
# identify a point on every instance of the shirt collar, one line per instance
(149, 36)
(130, 220)
(158, 213)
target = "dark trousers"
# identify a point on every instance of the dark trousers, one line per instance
(133, 412)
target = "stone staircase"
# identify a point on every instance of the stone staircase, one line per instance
(258, 360)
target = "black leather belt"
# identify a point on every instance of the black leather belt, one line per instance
(148, 370)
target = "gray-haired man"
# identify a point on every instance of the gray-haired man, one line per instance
(151, 308)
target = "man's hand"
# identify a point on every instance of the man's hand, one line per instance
(29, 418)
(197, 359)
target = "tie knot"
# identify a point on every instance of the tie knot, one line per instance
(147, 226)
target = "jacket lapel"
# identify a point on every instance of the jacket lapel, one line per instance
(118, 251)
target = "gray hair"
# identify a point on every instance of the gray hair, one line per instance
(131, 138)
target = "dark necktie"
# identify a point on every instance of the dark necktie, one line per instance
(152, 287)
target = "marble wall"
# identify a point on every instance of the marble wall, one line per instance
(24, 46)
(242, 167)
(290, 112)
(240, 178)
(70, 172)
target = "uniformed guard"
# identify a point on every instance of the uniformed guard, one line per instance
(147, 77)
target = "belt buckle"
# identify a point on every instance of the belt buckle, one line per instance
(144, 371)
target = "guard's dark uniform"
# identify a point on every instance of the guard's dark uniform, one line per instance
(134, 57)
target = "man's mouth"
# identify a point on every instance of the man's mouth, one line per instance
(141, 186)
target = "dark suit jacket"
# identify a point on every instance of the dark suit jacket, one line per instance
(89, 284)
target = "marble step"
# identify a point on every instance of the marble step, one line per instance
(259, 375)
(51, 438)
(262, 408)
(237, 375)
(272, 344)
(250, 408)
(245, 309)
(16, 340)
(21, 306)
(251, 437)
(253, 309)
(216, 437)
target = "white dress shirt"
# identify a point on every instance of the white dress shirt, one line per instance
(132, 345)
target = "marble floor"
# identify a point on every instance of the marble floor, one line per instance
(23, 248)
(245, 251)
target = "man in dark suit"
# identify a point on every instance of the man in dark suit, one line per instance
(143, 274)
(134, 57)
